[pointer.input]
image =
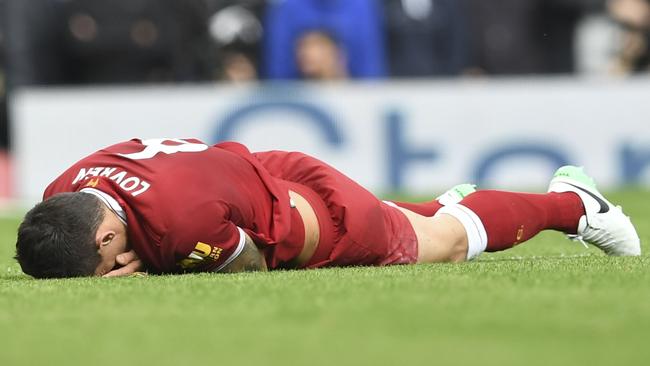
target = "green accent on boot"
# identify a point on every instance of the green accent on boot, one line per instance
(456, 194)
(576, 174)
(464, 190)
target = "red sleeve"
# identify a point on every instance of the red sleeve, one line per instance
(202, 240)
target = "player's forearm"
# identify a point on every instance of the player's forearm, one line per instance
(250, 259)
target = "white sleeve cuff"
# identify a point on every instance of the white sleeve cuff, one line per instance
(237, 252)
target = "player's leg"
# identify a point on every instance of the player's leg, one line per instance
(492, 221)
(498, 220)
(504, 219)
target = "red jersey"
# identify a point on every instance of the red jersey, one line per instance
(186, 204)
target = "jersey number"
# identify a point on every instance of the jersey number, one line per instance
(155, 146)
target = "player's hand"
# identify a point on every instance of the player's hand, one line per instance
(131, 265)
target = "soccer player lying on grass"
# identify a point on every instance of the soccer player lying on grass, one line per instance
(175, 206)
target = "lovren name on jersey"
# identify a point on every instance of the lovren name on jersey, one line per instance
(129, 183)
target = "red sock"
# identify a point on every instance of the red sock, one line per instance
(422, 208)
(510, 218)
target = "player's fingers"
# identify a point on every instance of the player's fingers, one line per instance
(126, 258)
(128, 269)
(122, 271)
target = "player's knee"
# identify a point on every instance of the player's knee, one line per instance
(446, 242)
(440, 239)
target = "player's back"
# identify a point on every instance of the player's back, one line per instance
(167, 185)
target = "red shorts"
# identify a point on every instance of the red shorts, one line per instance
(356, 228)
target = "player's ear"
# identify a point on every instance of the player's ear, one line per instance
(104, 238)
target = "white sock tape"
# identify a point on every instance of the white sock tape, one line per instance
(476, 234)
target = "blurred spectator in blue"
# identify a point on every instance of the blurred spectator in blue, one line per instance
(355, 26)
(319, 57)
(426, 37)
(633, 54)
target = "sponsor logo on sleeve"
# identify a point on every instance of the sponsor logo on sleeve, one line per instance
(92, 183)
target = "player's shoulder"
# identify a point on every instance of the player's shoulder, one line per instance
(234, 147)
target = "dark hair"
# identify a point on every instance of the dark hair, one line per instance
(57, 237)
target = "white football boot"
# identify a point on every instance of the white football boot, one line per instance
(604, 225)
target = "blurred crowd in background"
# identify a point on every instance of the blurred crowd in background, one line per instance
(72, 42)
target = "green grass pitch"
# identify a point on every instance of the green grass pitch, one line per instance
(549, 302)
